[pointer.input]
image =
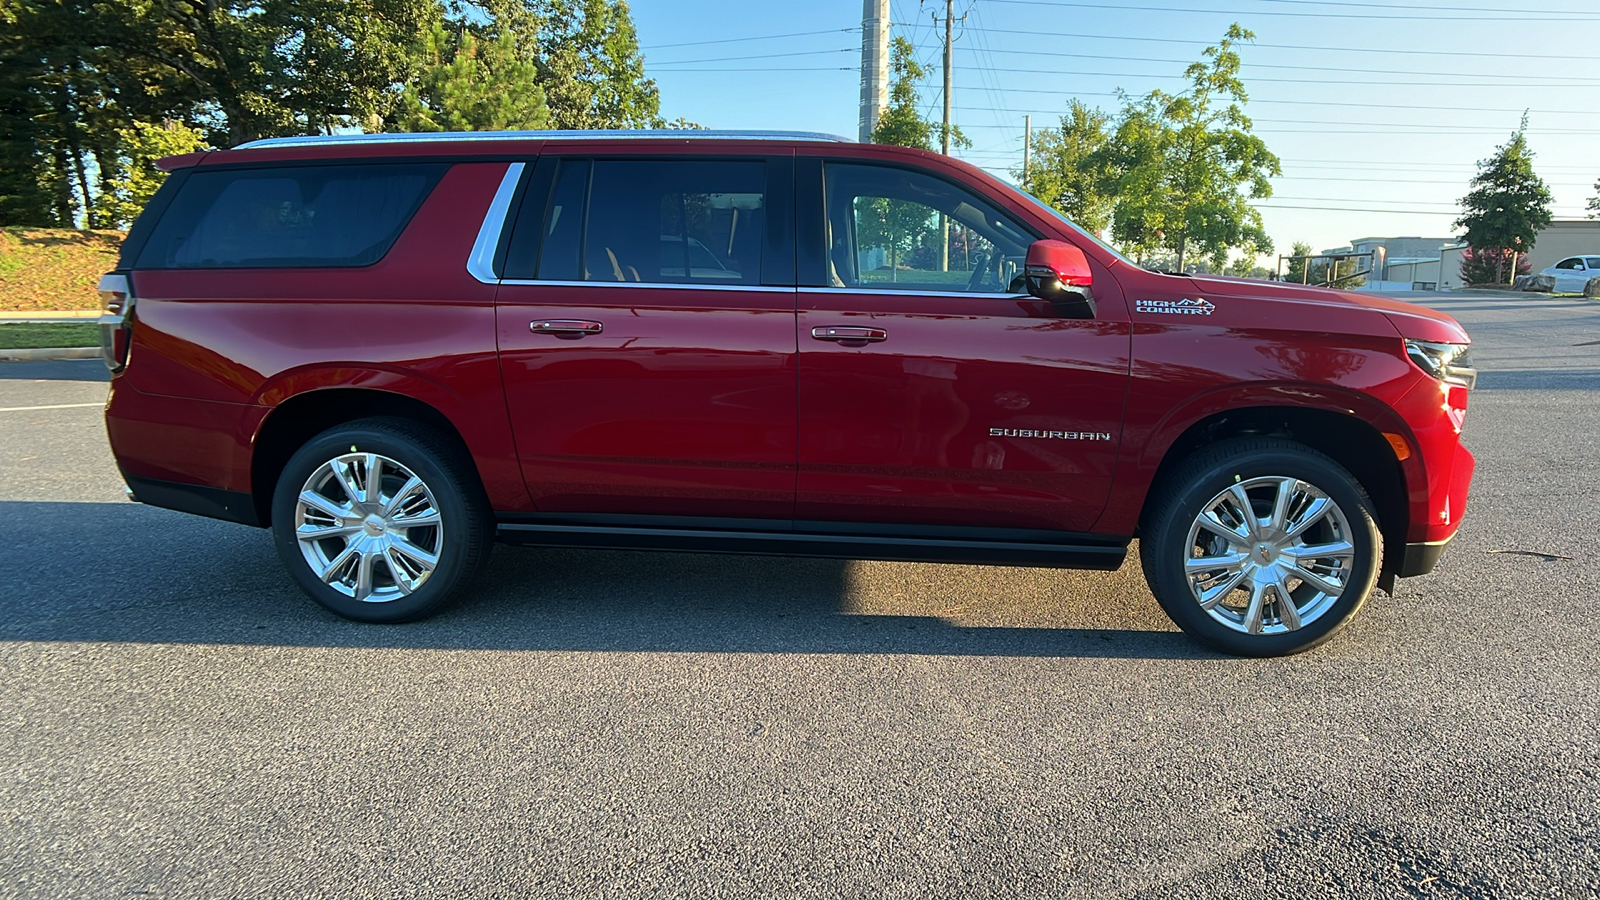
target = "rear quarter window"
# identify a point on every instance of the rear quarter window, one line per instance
(288, 216)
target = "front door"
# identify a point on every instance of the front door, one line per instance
(648, 361)
(933, 391)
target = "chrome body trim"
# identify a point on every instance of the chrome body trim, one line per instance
(480, 264)
(322, 140)
(981, 295)
(675, 285)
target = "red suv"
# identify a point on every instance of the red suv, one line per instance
(394, 350)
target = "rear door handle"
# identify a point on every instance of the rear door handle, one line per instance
(849, 335)
(568, 329)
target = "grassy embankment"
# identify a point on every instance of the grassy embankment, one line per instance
(54, 268)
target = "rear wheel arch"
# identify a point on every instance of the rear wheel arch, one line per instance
(1352, 442)
(304, 416)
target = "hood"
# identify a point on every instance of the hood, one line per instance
(1411, 320)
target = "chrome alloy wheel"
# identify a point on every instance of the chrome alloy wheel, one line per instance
(368, 527)
(1269, 555)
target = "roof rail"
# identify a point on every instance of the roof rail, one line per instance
(632, 134)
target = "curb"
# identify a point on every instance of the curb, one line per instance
(49, 353)
(49, 315)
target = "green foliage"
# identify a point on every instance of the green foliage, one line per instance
(83, 82)
(1071, 168)
(591, 67)
(1189, 165)
(1508, 205)
(1296, 272)
(1174, 173)
(1594, 202)
(901, 124)
(137, 177)
(468, 83)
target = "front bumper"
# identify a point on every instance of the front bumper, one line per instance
(1421, 557)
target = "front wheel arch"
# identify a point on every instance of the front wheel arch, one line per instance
(1349, 441)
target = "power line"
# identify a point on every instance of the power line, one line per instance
(758, 37)
(714, 59)
(1322, 49)
(1268, 80)
(1260, 65)
(1349, 4)
(1072, 4)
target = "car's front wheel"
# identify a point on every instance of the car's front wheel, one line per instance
(380, 520)
(1261, 546)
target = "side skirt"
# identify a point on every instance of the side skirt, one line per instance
(907, 543)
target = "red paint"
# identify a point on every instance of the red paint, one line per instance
(713, 402)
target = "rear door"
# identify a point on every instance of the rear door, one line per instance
(646, 328)
(933, 391)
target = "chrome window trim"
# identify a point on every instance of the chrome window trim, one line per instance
(676, 285)
(480, 264)
(322, 140)
(983, 295)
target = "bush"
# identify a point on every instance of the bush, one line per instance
(1491, 266)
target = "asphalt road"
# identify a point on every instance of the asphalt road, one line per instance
(177, 721)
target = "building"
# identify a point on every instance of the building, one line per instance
(1564, 238)
(1400, 263)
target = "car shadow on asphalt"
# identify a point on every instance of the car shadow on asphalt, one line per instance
(55, 370)
(114, 572)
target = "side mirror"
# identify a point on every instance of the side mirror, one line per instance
(1058, 273)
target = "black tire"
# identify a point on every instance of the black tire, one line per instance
(1165, 542)
(459, 543)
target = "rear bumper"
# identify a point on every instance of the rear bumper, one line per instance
(214, 503)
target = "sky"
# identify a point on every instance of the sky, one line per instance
(1378, 109)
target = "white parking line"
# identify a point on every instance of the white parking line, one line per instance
(57, 406)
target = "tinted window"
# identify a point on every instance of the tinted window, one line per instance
(1568, 263)
(1594, 262)
(675, 221)
(346, 215)
(895, 229)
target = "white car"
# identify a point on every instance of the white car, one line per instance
(1572, 273)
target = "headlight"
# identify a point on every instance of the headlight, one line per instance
(1446, 362)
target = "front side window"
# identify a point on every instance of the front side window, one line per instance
(289, 216)
(650, 221)
(898, 230)
(1569, 263)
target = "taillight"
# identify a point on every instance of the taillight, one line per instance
(116, 320)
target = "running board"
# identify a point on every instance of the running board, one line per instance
(1101, 556)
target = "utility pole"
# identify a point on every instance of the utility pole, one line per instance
(1027, 145)
(944, 136)
(874, 65)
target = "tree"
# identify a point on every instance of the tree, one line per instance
(901, 123)
(1071, 168)
(1297, 272)
(1594, 202)
(137, 177)
(590, 66)
(1508, 205)
(467, 83)
(1188, 165)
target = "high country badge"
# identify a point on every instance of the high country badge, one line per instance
(1184, 307)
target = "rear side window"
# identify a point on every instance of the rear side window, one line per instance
(1594, 262)
(292, 216)
(650, 221)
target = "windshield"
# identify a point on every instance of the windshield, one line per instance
(1076, 228)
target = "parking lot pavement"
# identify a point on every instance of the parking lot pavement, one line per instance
(177, 721)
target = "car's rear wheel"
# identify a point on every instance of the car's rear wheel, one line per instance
(380, 520)
(1261, 547)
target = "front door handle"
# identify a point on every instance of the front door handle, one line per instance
(566, 329)
(849, 335)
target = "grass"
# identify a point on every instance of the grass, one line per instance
(54, 268)
(32, 336)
